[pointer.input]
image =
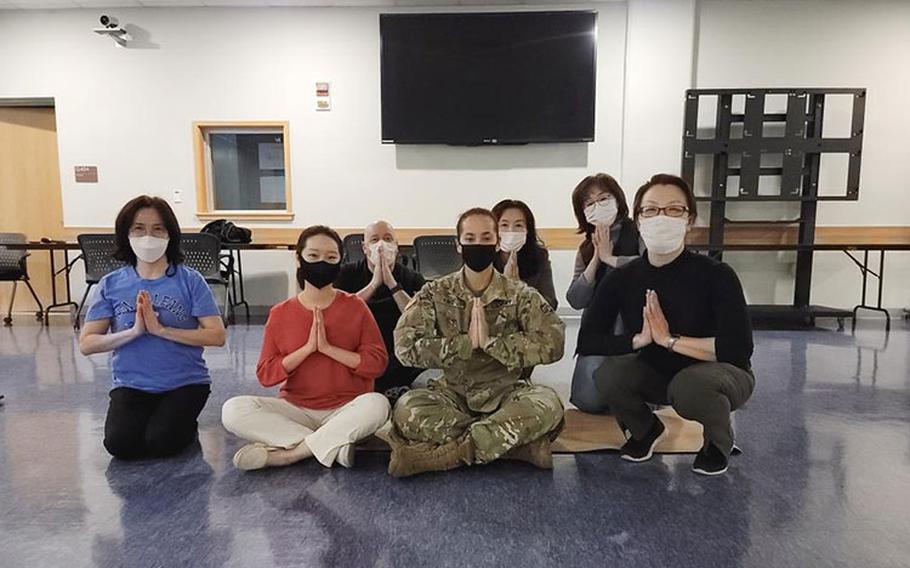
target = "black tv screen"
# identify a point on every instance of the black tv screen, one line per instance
(488, 78)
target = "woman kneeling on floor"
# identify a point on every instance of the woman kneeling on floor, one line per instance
(160, 314)
(689, 339)
(324, 347)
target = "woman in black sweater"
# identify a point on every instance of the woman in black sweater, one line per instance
(687, 338)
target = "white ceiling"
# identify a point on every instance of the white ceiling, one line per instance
(66, 4)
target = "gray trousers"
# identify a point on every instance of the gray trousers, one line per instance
(585, 395)
(704, 392)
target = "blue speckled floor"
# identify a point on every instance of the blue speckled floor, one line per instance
(824, 481)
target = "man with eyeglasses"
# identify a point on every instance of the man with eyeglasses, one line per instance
(687, 339)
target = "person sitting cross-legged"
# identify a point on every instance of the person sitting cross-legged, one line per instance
(483, 330)
(325, 350)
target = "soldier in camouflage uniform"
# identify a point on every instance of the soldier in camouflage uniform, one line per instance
(481, 409)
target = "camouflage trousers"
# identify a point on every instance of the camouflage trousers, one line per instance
(438, 415)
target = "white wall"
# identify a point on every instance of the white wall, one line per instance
(658, 71)
(823, 44)
(129, 111)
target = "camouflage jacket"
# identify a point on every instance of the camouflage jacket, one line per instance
(524, 331)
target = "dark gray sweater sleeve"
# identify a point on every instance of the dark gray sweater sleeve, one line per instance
(580, 291)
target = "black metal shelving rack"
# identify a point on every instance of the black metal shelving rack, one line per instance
(799, 151)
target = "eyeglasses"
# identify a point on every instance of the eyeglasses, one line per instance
(669, 211)
(603, 200)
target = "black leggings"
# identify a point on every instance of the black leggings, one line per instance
(142, 424)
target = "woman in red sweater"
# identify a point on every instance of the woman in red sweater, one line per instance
(325, 350)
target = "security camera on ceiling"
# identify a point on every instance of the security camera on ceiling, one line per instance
(113, 30)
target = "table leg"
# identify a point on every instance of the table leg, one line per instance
(69, 291)
(880, 275)
(881, 285)
(241, 300)
(54, 273)
(47, 310)
(233, 276)
(50, 253)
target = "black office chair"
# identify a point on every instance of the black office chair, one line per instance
(353, 248)
(13, 269)
(202, 252)
(98, 257)
(407, 258)
(436, 255)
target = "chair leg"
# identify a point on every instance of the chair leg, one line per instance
(81, 305)
(39, 315)
(8, 320)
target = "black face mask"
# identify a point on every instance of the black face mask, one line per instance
(478, 257)
(319, 274)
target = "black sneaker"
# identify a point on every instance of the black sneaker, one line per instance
(710, 461)
(642, 450)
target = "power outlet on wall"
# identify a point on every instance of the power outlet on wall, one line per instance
(177, 197)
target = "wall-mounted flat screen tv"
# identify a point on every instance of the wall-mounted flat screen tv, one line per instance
(488, 78)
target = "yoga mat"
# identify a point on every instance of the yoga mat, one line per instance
(590, 432)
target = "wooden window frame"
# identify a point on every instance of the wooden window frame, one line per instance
(204, 193)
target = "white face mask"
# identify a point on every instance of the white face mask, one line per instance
(511, 241)
(386, 249)
(602, 212)
(390, 251)
(662, 234)
(148, 248)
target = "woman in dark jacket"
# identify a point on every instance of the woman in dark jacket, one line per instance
(611, 240)
(522, 254)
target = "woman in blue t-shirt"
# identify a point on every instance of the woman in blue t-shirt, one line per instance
(156, 315)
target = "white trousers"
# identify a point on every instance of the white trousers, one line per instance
(278, 423)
